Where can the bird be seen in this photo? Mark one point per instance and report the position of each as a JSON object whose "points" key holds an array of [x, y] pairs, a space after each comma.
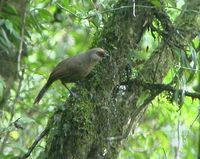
{"points": [[73, 69]]}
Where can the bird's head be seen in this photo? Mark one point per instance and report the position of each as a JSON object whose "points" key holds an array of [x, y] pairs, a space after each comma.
{"points": [[97, 54]]}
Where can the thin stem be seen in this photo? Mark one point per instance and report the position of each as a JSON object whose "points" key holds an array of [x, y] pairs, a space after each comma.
{"points": [[120, 8]]}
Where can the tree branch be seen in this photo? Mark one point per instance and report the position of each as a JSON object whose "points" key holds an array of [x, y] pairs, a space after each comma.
{"points": [[37, 140], [165, 87], [135, 114], [41, 136]]}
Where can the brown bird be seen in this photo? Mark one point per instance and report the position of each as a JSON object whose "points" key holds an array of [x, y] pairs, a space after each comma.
{"points": [[73, 69]]}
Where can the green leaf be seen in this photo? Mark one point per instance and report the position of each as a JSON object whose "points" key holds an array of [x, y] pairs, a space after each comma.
{"points": [[184, 59], [172, 3], [2, 87], [195, 63], [16, 34], [43, 13], [33, 21], [23, 122], [7, 42], [10, 8], [156, 3], [9, 25], [3, 45], [2, 21], [96, 18]]}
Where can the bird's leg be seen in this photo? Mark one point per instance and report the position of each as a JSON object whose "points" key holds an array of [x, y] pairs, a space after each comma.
{"points": [[72, 93]]}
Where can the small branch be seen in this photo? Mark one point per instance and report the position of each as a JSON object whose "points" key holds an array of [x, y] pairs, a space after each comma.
{"points": [[187, 68], [119, 8], [134, 116], [23, 21], [166, 87], [42, 135], [13, 123], [37, 140], [92, 15], [134, 8], [195, 119], [177, 153], [75, 15], [12, 111], [172, 89], [157, 88]]}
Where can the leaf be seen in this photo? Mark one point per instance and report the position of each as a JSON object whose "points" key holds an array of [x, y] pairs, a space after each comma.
{"points": [[22, 122], [9, 25], [10, 8], [43, 13], [156, 3], [195, 63], [2, 87], [7, 42], [14, 135], [2, 45], [2, 21], [4, 41], [96, 18], [16, 34], [172, 3], [25, 120], [33, 21], [184, 59]]}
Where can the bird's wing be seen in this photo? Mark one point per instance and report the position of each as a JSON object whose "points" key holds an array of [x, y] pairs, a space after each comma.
{"points": [[65, 69], [59, 69]]}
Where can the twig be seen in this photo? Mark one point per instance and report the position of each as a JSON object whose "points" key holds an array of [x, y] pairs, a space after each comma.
{"points": [[164, 153], [177, 154], [12, 111], [134, 115], [37, 140], [172, 89], [42, 135], [68, 10], [22, 39], [166, 87], [119, 8], [195, 118], [187, 68], [157, 89], [134, 8], [92, 15], [11, 124]]}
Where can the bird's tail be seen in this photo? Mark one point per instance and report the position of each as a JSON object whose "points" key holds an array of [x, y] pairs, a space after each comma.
{"points": [[42, 92]]}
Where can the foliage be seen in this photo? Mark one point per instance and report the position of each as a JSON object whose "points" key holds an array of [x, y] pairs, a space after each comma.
{"points": [[57, 29]]}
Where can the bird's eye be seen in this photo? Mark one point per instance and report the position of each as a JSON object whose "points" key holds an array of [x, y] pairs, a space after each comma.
{"points": [[100, 54]]}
